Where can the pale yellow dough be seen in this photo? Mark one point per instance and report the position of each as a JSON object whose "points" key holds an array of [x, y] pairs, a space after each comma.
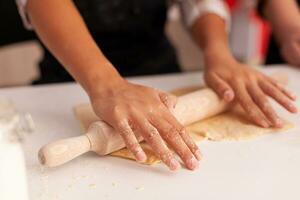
{"points": [[231, 125]]}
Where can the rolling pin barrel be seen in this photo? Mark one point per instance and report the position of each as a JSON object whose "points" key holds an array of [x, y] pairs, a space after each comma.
{"points": [[198, 105]]}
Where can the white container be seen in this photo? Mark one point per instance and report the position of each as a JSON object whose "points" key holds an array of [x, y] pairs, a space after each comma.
{"points": [[13, 182]]}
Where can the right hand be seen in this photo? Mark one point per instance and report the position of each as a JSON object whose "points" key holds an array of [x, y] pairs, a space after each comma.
{"points": [[136, 110]]}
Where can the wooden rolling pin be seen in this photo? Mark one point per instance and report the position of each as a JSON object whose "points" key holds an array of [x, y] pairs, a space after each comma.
{"points": [[103, 139]]}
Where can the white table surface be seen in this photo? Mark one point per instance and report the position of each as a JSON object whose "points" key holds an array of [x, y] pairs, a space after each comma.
{"points": [[264, 168]]}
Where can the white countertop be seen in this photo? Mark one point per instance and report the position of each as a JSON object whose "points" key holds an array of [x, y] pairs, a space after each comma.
{"points": [[264, 168]]}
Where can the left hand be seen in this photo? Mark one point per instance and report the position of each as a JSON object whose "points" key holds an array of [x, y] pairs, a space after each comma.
{"points": [[290, 46], [232, 80]]}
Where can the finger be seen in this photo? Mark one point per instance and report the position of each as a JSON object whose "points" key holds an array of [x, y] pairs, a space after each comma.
{"points": [[153, 138], [285, 91], [249, 106], [184, 135], [172, 137], [261, 100], [168, 100], [278, 96], [130, 140], [220, 87]]}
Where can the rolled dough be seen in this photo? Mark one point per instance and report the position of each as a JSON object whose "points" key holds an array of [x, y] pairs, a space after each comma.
{"points": [[231, 125]]}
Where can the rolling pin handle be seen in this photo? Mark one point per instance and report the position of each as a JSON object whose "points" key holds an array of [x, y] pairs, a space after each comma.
{"points": [[62, 151]]}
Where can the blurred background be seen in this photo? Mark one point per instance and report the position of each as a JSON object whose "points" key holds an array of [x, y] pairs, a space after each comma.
{"points": [[20, 52]]}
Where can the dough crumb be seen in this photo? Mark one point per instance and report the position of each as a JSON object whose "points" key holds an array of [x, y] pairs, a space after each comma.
{"points": [[76, 178], [70, 186], [140, 188], [92, 185], [114, 184]]}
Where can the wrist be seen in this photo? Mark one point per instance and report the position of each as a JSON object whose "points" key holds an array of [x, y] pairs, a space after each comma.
{"points": [[215, 53], [285, 34], [102, 80]]}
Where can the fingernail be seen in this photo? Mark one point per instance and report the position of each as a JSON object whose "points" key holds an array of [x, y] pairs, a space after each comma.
{"points": [[293, 108], [193, 163], [278, 123], [141, 156], [174, 165], [265, 124], [294, 97], [198, 155], [227, 95]]}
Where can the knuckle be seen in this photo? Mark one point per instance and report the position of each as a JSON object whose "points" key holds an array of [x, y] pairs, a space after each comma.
{"points": [[194, 147], [276, 83], [165, 156], [121, 124], [174, 136], [169, 131], [152, 135], [285, 90], [280, 86], [124, 128], [133, 146], [183, 132], [190, 142], [269, 89], [163, 96], [116, 110], [185, 153]]}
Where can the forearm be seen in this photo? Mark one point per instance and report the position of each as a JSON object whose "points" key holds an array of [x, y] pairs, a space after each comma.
{"points": [[283, 16], [63, 31], [210, 34]]}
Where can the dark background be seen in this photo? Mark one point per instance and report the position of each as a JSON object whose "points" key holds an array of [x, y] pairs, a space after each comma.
{"points": [[11, 26]]}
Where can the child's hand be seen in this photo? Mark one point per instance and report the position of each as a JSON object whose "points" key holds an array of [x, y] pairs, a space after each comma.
{"points": [[250, 88], [135, 110], [290, 46]]}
